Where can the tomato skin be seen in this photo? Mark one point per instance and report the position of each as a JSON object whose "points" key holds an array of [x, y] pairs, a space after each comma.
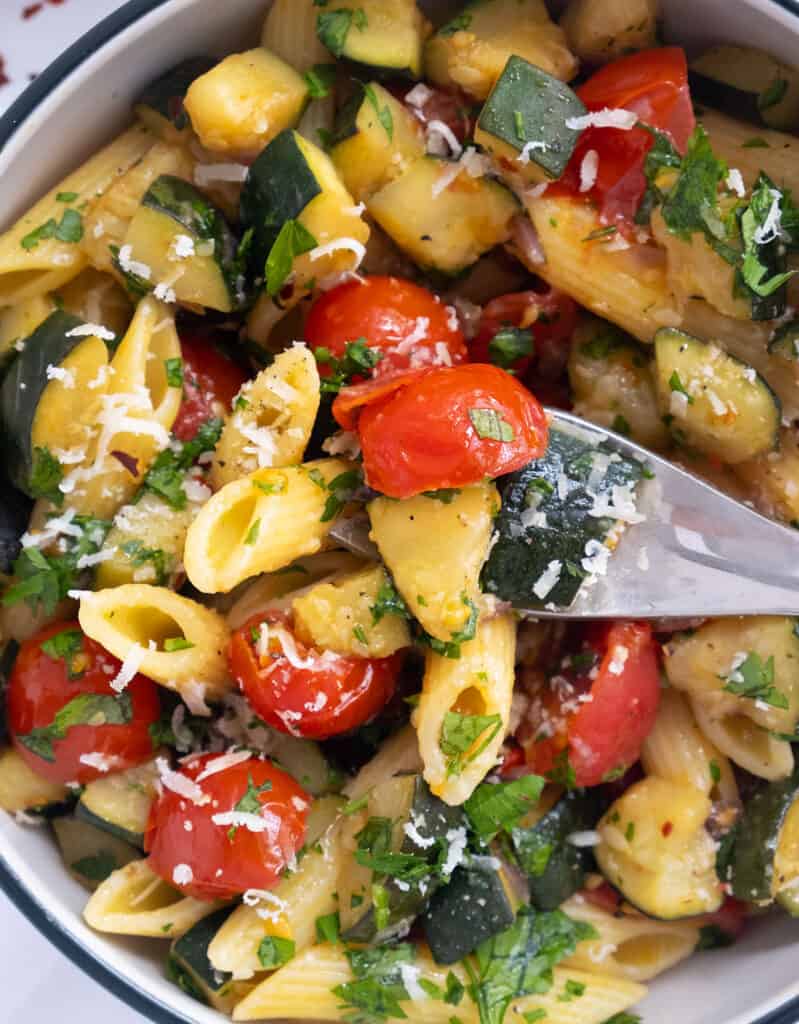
{"points": [[551, 316], [730, 918], [450, 106], [652, 84], [210, 383], [605, 734], [223, 866], [385, 311], [420, 437], [289, 698], [39, 687]]}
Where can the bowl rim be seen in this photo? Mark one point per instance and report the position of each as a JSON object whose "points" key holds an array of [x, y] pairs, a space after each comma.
{"points": [[112, 979]]}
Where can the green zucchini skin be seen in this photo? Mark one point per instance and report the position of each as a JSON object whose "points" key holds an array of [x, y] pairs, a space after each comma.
{"points": [[785, 341], [279, 186], [164, 97], [529, 105], [555, 868], [521, 554], [89, 853], [751, 865], [23, 386], [191, 951], [473, 907], [83, 813]]}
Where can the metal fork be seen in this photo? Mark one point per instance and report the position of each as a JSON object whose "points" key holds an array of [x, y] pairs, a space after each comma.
{"points": [[704, 554]]}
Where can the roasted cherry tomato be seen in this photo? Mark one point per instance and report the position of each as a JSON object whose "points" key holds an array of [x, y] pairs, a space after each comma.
{"points": [[65, 718], [446, 427], [654, 85], [407, 324], [303, 691], [232, 826], [447, 106], [725, 925], [210, 383], [600, 708]]}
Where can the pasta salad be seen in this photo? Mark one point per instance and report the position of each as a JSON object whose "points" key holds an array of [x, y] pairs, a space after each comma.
{"points": [[339, 277]]}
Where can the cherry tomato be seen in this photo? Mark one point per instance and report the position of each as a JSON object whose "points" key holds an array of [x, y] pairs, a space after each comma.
{"points": [[446, 427], [210, 383], [449, 106], [305, 692], [603, 896], [617, 671], [211, 857], [406, 323], [729, 920], [654, 85], [55, 674]]}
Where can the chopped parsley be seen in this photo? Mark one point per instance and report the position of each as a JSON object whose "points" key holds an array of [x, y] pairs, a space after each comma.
{"points": [[293, 240], [757, 255], [328, 928], [518, 124], [249, 803], [677, 385], [68, 229], [66, 197], [177, 643], [562, 771], [96, 868], [360, 635], [275, 951], [388, 602], [446, 495], [571, 990], [46, 475], [66, 646], [377, 989], [140, 555], [271, 487], [383, 115], [340, 491], [358, 361], [174, 372], [320, 79], [333, 27], [464, 737], [754, 678], [252, 533], [167, 473], [509, 345], [490, 425], [85, 709], [500, 807]]}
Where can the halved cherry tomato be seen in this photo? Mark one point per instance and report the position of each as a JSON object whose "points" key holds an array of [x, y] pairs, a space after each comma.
{"points": [[210, 383], [444, 428], [303, 691], [204, 850], [603, 896], [450, 106], [599, 715], [729, 920], [654, 85], [49, 691], [407, 323]]}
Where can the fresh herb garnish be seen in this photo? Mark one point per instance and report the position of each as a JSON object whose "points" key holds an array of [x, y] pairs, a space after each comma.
{"points": [[85, 709], [275, 951], [140, 555], [757, 257], [177, 643], [96, 868], [66, 646], [249, 803], [252, 533], [46, 475], [562, 771], [383, 115], [754, 678], [293, 240], [333, 27], [68, 229], [388, 602], [490, 425], [174, 372], [464, 737], [677, 385], [272, 487], [358, 361], [500, 807], [509, 345], [320, 79], [167, 473], [328, 928]]}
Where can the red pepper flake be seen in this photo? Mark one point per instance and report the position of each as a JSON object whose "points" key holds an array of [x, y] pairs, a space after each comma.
{"points": [[30, 10], [666, 829]]}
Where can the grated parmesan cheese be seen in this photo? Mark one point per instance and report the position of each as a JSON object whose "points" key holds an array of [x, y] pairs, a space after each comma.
{"points": [[182, 875], [441, 140], [89, 330], [337, 244], [588, 170], [223, 762], [59, 373], [605, 118], [735, 182], [181, 784], [548, 578], [129, 667]]}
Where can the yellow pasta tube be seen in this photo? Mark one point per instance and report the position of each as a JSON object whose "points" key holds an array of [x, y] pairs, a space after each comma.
{"points": [[756, 749], [260, 523], [136, 621], [21, 789], [478, 683], [399, 753], [290, 32]]}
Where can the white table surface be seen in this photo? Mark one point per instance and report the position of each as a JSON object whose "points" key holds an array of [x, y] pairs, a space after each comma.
{"points": [[39, 985]]}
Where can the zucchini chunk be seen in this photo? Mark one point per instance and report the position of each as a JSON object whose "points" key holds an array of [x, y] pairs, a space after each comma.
{"points": [[546, 523], [471, 50], [756, 86], [523, 122], [765, 853], [376, 139], [27, 389], [598, 33], [294, 181], [21, 789], [120, 804], [189, 957], [718, 404], [240, 105], [401, 801], [785, 341], [434, 547], [383, 35], [654, 848], [187, 244], [478, 902], [160, 105], [444, 225], [555, 867], [91, 854]]}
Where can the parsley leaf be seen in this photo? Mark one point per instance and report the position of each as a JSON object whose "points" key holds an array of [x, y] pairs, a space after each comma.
{"points": [[332, 28], [341, 489], [509, 345], [293, 240], [328, 928], [140, 555], [96, 868], [65, 646], [562, 771], [45, 477], [274, 951], [358, 361], [174, 372], [499, 808], [70, 229], [166, 475], [377, 988], [388, 602], [490, 425], [759, 255], [85, 709], [384, 115], [461, 735], [250, 803], [320, 79], [177, 643], [676, 384], [754, 678]]}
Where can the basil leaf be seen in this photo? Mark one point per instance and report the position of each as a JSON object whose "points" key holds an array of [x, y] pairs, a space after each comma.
{"points": [[490, 425], [85, 709], [500, 807], [293, 240]]}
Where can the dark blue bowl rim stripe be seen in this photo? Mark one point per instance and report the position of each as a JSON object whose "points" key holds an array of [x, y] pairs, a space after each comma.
{"points": [[115, 982]]}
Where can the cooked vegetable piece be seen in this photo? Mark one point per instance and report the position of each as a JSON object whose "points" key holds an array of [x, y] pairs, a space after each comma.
{"points": [[764, 854], [749, 82], [524, 122], [546, 530], [189, 954], [375, 140], [785, 341], [15, 512], [187, 245], [120, 804], [91, 854], [441, 224], [471, 50], [718, 404], [598, 33], [160, 106], [384, 35]]}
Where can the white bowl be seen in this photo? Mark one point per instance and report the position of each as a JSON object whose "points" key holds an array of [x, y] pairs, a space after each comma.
{"points": [[72, 108]]}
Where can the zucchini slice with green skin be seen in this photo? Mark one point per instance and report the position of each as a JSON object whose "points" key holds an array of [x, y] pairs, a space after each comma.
{"points": [[755, 871], [400, 801], [91, 854], [189, 955], [717, 404], [187, 244], [785, 341], [444, 225], [23, 387], [523, 122], [478, 903], [383, 35], [752, 83], [160, 106], [546, 517], [554, 866], [120, 804]]}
